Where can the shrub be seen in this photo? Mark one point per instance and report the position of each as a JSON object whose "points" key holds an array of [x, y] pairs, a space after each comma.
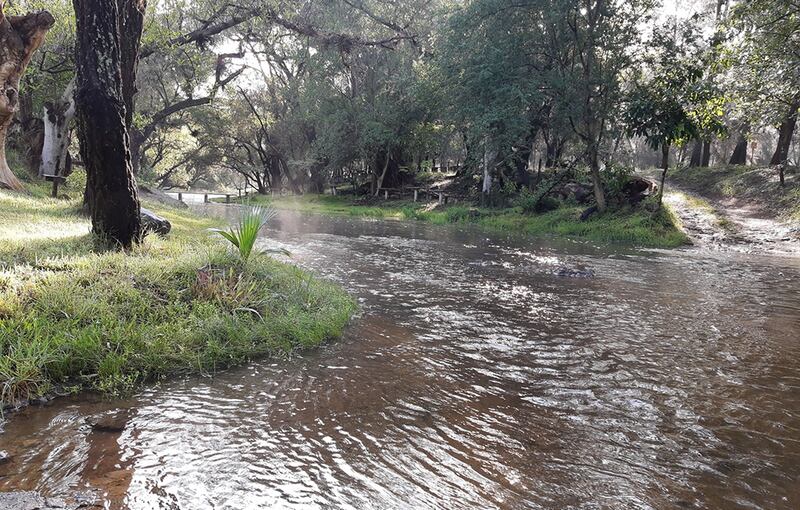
{"points": [[244, 235]]}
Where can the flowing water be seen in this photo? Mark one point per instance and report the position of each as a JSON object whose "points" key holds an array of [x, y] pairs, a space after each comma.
{"points": [[474, 377]]}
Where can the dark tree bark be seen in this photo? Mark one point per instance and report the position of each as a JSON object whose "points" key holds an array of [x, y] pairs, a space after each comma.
{"points": [[20, 37], [706, 159], [739, 156], [31, 131], [664, 169], [131, 26], [785, 134], [697, 154], [105, 54]]}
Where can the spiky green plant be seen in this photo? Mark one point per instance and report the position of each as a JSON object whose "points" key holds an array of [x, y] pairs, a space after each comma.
{"points": [[244, 234]]}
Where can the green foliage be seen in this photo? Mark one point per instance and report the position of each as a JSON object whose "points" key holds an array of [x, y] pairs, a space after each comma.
{"points": [[615, 178], [637, 227], [533, 203], [244, 235], [674, 103]]}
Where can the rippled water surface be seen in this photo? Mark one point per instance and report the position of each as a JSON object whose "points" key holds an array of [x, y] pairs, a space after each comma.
{"points": [[473, 378]]}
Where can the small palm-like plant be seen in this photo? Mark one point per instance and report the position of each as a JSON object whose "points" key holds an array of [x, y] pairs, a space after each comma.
{"points": [[244, 234]]}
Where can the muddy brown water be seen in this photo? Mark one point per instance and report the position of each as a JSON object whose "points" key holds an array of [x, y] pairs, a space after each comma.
{"points": [[472, 378]]}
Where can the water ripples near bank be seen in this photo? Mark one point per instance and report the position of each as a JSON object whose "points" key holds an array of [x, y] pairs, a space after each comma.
{"points": [[474, 377]]}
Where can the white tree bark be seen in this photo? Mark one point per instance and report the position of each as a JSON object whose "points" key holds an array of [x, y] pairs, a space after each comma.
{"points": [[489, 157], [57, 134]]}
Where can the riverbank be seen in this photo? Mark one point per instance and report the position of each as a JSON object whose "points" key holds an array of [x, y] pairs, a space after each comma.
{"points": [[74, 316], [738, 208], [738, 186], [637, 227]]}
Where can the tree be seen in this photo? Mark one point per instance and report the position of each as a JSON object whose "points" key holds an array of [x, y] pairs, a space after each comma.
{"points": [[766, 67], [20, 37], [672, 104], [109, 32]]}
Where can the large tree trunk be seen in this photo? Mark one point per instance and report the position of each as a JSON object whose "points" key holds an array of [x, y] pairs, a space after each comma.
{"points": [[785, 134], [57, 133], [697, 154], [706, 159], [20, 37], [105, 54], [739, 156]]}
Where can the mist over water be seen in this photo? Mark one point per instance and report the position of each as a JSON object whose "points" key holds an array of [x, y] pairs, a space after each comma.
{"points": [[473, 377]]}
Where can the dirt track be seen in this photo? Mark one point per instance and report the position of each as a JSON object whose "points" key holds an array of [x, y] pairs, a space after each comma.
{"points": [[732, 225]]}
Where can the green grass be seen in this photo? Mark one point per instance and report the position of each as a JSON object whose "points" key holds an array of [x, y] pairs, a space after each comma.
{"points": [[637, 227], [752, 184], [74, 316]]}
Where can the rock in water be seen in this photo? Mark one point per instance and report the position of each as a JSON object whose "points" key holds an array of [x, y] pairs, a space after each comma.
{"points": [[153, 223], [568, 272], [111, 421]]}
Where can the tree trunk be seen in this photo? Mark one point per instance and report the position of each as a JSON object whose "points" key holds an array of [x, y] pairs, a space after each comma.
{"points": [[20, 37], [103, 50], [32, 131], [706, 159], [785, 134], [489, 158], [697, 154], [57, 134], [555, 148], [739, 156], [382, 176], [131, 26], [664, 168], [597, 182]]}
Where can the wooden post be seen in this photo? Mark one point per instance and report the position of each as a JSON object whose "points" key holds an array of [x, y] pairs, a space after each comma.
{"points": [[227, 199], [180, 197], [386, 194], [416, 195], [441, 198], [205, 198]]}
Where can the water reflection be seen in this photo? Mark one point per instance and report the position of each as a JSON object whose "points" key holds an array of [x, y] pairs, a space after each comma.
{"points": [[475, 377]]}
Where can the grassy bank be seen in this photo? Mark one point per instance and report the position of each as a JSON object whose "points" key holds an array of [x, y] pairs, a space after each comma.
{"points": [[75, 316], [759, 186], [633, 227]]}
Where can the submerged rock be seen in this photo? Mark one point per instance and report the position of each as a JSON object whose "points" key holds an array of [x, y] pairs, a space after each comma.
{"points": [[569, 272], [111, 421]]}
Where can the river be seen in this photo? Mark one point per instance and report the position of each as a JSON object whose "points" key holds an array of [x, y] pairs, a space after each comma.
{"points": [[473, 377]]}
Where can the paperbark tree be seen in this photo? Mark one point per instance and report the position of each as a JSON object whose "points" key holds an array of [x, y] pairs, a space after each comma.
{"points": [[20, 37], [57, 119], [108, 36]]}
